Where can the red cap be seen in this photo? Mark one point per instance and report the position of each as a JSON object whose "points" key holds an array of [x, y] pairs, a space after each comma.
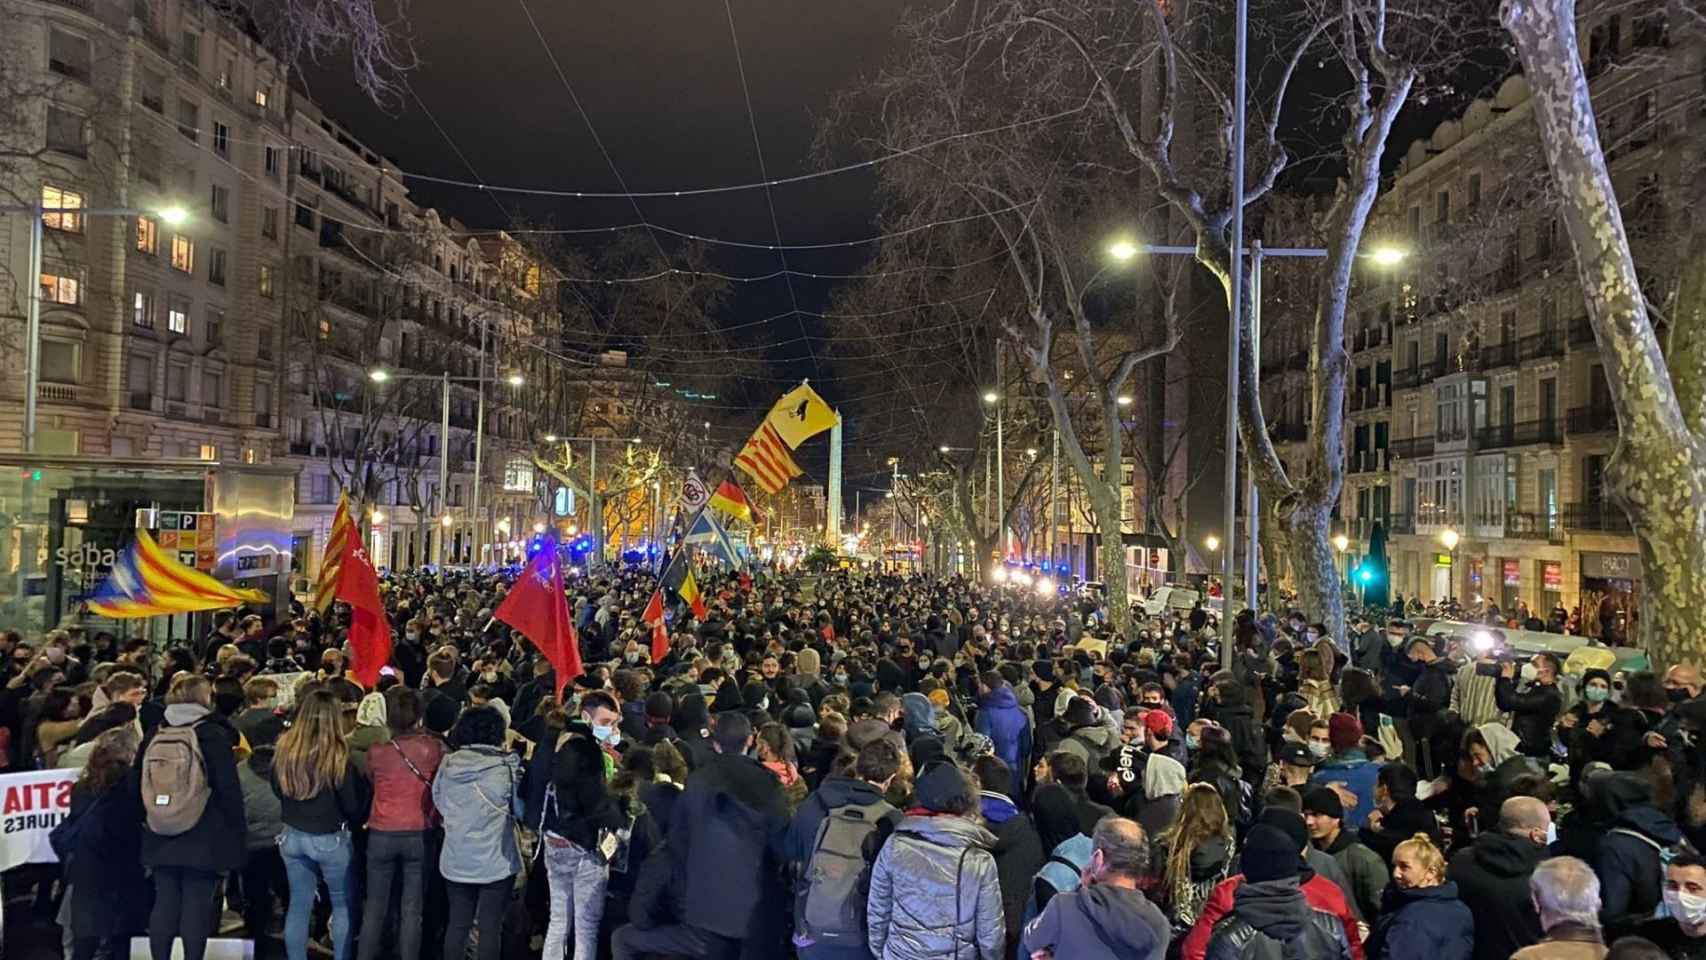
{"points": [[1158, 723], [1344, 731]]}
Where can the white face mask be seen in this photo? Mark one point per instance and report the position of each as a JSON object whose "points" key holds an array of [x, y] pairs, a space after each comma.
{"points": [[1687, 908], [1318, 749], [1528, 672], [1551, 833]]}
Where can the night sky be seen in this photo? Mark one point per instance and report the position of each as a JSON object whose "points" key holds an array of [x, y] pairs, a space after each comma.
{"points": [[661, 85]]}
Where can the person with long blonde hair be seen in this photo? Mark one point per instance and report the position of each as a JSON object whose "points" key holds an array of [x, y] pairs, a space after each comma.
{"points": [[322, 796], [1421, 917], [1198, 854]]}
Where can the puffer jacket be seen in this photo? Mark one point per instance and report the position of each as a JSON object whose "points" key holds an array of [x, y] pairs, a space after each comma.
{"points": [[1272, 920], [1000, 718], [935, 894], [262, 810], [474, 790], [1422, 923]]}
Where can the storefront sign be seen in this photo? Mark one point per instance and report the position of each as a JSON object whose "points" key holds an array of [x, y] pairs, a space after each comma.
{"points": [[1552, 577], [1513, 573], [31, 805], [1611, 566], [1442, 559]]}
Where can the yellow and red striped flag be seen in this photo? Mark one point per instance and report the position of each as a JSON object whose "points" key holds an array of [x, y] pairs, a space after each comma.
{"points": [[147, 581], [767, 459], [343, 531]]}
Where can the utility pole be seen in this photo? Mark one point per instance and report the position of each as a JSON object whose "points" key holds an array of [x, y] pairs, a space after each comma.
{"points": [[1240, 43]]}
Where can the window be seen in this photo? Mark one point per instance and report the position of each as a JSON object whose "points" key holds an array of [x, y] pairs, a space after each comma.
{"points": [[209, 451], [319, 488], [216, 267], [215, 327], [263, 403], [177, 380], [58, 205], [1442, 207], [61, 284], [151, 90], [65, 132], [1474, 190], [145, 162], [189, 49], [219, 204], [142, 309], [68, 54], [269, 222], [227, 73], [261, 97], [1415, 222], [177, 314], [183, 253], [271, 160], [263, 343], [212, 388], [61, 361], [264, 282], [221, 139], [304, 216], [139, 382], [1507, 326], [189, 120]]}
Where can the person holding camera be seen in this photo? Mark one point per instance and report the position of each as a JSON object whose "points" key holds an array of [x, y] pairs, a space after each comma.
{"points": [[1534, 707]]}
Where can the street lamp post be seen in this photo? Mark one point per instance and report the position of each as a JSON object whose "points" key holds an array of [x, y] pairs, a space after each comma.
{"points": [[32, 323], [1449, 538], [1001, 537], [595, 511]]}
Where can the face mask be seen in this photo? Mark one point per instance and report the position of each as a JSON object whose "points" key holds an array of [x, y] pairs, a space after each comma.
{"points": [[1394, 641], [412, 636], [1678, 695], [1486, 769], [1686, 907], [1596, 694], [1191, 743], [1528, 671], [1318, 750], [1552, 836], [764, 704], [606, 735], [841, 678], [634, 657]]}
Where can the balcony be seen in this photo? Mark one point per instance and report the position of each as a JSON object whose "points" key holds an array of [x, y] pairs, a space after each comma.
{"points": [[1406, 378], [1499, 355], [1539, 346], [1593, 419], [1372, 397], [59, 393], [1367, 461], [1500, 436], [1451, 434], [1401, 523], [1581, 332], [1411, 448], [1369, 338], [1599, 517], [1533, 526]]}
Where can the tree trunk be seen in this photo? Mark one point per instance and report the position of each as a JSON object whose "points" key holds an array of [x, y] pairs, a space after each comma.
{"points": [[1110, 552], [1658, 471], [1320, 594]]}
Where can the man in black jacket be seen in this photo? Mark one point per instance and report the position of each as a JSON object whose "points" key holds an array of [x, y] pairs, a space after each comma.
{"points": [[1232, 710], [727, 832], [1492, 878], [1427, 698], [1534, 709], [1108, 917]]}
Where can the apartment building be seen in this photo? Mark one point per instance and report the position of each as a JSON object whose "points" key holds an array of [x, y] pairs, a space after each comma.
{"points": [[1477, 408], [157, 339]]}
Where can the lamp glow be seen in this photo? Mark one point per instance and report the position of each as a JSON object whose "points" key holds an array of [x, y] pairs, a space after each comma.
{"points": [[378, 376], [173, 216], [1212, 542], [999, 575], [1449, 538], [991, 397], [1388, 256], [1341, 542], [515, 380], [1122, 250], [1123, 401]]}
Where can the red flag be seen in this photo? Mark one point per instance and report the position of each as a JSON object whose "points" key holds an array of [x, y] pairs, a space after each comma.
{"points": [[369, 632], [654, 616], [538, 610]]}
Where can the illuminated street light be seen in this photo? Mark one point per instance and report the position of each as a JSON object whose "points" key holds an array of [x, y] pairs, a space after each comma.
{"points": [[1341, 542], [550, 438], [376, 517], [991, 397], [378, 376], [539, 528], [445, 520], [999, 575], [1123, 401], [1122, 250], [1212, 542], [1045, 586], [515, 380], [173, 216], [1449, 538], [1388, 256]]}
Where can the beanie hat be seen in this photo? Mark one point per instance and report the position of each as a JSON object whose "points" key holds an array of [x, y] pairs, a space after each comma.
{"points": [[1344, 731], [1269, 854], [441, 713], [1078, 712], [1158, 723], [799, 716], [808, 662], [1596, 674], [939, 697], [938, 788], [926, 749], [1291, 824], [1324, 802], [1044, 669]]}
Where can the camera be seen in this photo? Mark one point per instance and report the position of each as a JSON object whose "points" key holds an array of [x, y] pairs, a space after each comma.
{"points": [[1489, 645]]}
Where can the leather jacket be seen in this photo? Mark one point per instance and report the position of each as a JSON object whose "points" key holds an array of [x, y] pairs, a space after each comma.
{"points": [[1273, 921]]}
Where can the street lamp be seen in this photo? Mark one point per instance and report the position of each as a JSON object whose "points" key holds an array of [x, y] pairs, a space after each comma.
{"points": [[174, 215], [515, 380], [1449, 537], [1388, 256], [1341, 542], [1123, 401], [1122, 250], [1001, 535], [1212, 542]]}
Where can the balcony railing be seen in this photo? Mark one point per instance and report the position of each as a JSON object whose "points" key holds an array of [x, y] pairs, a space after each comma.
{"points": [[1521, 434], [1451, 434], [1296, 361], [1412, 448], [1593, 419], [1600, 517], [1406, 378], [1499, 355], [1369, 338], [1537, 346], [1533, 526], [1401, 523]]}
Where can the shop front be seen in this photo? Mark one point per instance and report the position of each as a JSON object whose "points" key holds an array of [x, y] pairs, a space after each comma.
{"points": [[65, 521], [1611, 594]]}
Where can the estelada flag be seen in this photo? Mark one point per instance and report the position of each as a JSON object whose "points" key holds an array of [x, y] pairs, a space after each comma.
{"points": [[369, 632], [343, 531], [800, 415], [538, 610], [654, 617], [766, 458], [147, 581], [731, 499]]}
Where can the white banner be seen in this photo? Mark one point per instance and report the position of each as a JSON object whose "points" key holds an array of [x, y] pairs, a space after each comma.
{"points": [[694, 495], [31, 805]]}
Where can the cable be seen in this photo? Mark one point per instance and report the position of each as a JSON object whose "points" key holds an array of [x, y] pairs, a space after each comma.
{"points": [[769, 197]]}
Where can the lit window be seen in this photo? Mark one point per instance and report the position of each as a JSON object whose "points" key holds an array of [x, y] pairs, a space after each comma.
{"points": [[264, 281], [261, 98], [142, 310], [183, 253], [57, 204], [210, 451], [147, 236], [62, 285], [178, 315]]}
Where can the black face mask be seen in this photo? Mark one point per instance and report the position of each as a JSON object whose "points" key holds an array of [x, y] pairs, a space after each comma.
{"points": [[1677, 694]]}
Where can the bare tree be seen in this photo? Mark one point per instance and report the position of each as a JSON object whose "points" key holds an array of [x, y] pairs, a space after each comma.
{"points": [[1656, 472]]}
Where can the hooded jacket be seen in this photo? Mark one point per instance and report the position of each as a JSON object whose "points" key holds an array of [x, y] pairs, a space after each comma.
{"points": [[725, 828], [835, 792], [1099, 922], [919, 715], [1492, 877], [215, 843], [1322, 895], [1001, 720], [935, 893], [1422, 923], [1018, 855], [1628, 860], [1273, 920], [477, 794], [1092, 742], [1236, 715]]}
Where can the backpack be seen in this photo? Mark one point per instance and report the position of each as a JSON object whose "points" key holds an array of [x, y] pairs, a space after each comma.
{"points": [[1666, 855], [175, 790], [68, 835], [830, 907]]}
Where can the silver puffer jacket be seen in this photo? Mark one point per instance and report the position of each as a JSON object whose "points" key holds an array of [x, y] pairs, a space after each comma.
{"points": [[935, 894]]}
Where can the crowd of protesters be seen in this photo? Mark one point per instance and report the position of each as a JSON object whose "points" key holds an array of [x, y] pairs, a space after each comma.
{"points": [[858, 765]]}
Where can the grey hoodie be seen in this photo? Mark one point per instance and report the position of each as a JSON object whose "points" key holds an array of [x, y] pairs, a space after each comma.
{"points": [[1097, 922], [477, 793]]}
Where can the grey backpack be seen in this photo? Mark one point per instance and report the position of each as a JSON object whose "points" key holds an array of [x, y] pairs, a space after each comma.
{"points": [[175, 790], [830, 907]]}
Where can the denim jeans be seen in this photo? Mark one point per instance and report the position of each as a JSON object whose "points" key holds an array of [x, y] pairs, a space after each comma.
{"points": [[578, 878], [309, 858], [388, 854]]}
